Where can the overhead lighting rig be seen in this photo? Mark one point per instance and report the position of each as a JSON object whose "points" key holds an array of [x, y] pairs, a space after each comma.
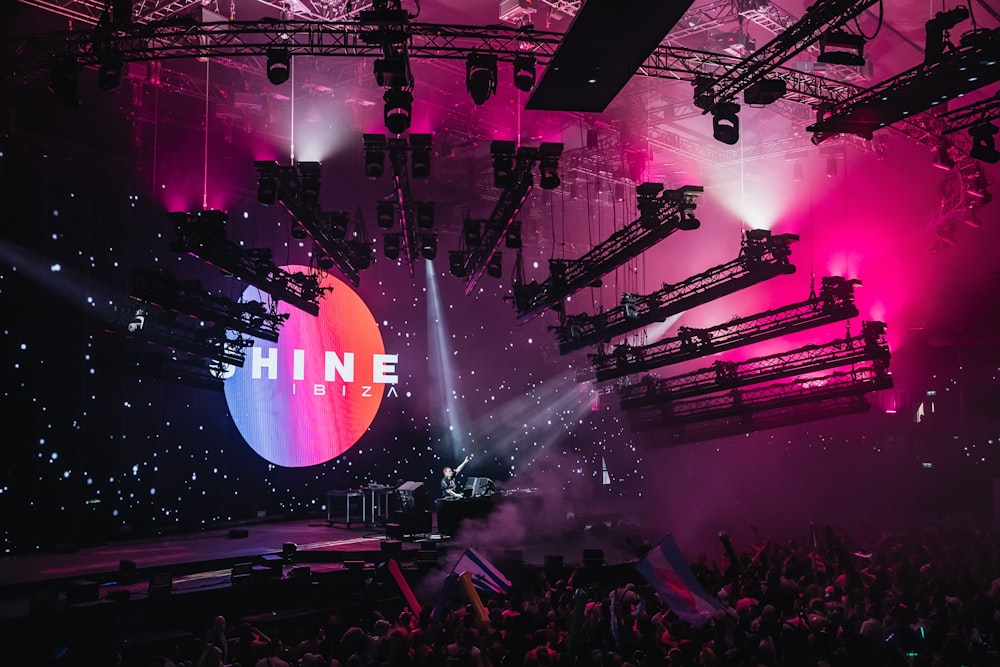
{"points": [[661, 213], [834, 303], [743, 404], [135, 359], [971, 115], [984, 144], [296, 188], [936, 32], [971, 66], [839, 47], [416, 219], [713, 92], [203, 235], [762, 256], [763, 417], [184, 334], [253, 318], [868, 346], [512, 168], [387, 25]]}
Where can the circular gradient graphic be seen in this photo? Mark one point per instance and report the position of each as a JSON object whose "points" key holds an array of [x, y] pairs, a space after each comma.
{"points": [[309, 397]]}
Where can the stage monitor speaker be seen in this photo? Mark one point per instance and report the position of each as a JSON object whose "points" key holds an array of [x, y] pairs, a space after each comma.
{"points": [[593, 557], [127, 572], [82, 590], [238, 533], [161, 584], [394, 531], [413, 497], [392, 548]]}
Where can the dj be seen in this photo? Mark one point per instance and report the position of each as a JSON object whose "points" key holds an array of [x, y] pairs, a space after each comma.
{"points": [[448, 490]]}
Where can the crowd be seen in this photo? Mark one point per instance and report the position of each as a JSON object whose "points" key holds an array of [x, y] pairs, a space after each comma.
{"points": [[931, 598]]}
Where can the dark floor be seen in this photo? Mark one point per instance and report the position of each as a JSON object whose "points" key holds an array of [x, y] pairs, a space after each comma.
{"points": [[191, 561]]}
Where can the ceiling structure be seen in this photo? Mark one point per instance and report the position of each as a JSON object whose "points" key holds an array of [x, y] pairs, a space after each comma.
{"points": [[652, 131], [711, 39]]}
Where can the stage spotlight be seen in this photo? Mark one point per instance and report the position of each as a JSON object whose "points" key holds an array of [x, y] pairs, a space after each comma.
{"points": [[428, 246], [548, 164], [513, 239], [764, 92], [688, 222], [398, 109], [309, 183], [935, 28], [375, 145], [983, 144], [62, 82], [385, 214], [503, 162], [390, 72], [725, 122], [391, 246], [339, 222], [978, 186], [425, 214], [524, 72], [942, 160], [361, 251], [420, 156], [481, 76], [267, 190], [472, 233], [841, 48], [456, 263], [299, 231], [279, 65], [109, 76], [323, 260], [494, 269]]}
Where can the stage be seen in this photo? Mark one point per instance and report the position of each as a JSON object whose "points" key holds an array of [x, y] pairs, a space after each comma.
{"points": [[194, 561]]}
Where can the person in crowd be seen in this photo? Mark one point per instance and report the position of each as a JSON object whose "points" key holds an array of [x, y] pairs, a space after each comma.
{"points": [[448, 486]]}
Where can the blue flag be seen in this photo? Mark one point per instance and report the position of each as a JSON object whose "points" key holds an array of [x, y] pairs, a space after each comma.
{"points": [[666, 569], [485, 575]]}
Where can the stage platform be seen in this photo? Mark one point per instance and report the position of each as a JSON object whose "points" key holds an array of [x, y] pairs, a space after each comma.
{"points": [[141, 597], [195, 561]]}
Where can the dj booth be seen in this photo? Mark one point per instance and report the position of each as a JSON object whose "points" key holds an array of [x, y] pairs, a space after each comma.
{"points": [[478, 499]]}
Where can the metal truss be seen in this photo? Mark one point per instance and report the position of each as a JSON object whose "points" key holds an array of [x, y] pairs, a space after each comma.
{"points": [[762, 419], [762, 256], [687, 64], [233, 39], [190, 298], [201, 234], [567, 7], [661, 213], [287, 182], [834, 303], [703, 18], [970, 115], [919, 88], [740, 403], [318, 10], [190, 371], [89, 12], [868, 346], [776, 20], [404, 200], [504, 214], [823, 15], [169, 332]]}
